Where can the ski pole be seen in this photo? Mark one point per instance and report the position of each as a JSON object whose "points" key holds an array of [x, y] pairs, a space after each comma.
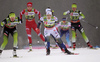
{"points": [[90, 24], [1, 32]]}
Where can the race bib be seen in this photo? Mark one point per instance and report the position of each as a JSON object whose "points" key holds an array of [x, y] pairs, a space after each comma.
{"points": [[29, 13], [49, 23], [74, 14]]}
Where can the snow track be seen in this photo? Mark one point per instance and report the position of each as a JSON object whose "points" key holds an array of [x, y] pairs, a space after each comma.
{"points": [[39, 55]]}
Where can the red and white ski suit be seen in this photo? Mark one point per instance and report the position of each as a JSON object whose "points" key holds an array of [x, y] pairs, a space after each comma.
{"points": [[30, 22]]}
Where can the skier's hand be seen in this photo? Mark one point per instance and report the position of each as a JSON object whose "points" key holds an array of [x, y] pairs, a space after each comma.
{"points": [[37, 30], [21, 20], [81, 17], [2, 27], [45, 43]]}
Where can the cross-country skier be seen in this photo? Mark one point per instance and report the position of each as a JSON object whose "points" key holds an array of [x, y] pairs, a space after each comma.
{"points": [[64, 29], [30, 22], [49, 9], [49, 23], [9, 25], [76, 16]]}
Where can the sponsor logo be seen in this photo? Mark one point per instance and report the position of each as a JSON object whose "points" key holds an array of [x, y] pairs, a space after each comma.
{"points": [[74, 14], [29, 13], [49, 23]]}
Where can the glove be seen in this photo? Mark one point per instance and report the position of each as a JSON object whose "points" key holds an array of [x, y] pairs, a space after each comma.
{"points": [[37, 30], [21, 21], [80, 18], [64, 13], [45, 43]]}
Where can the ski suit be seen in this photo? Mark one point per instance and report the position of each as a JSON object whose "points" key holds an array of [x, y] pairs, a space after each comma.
{"points": [[30, 22], [64, 29], [76, 16], [10, 28], [50, 29]]}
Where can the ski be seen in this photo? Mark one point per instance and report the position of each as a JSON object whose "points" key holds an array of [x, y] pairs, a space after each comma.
{"points": [[54, 47], [16, 56], [72, 54], [30, 51], [94, 48]]}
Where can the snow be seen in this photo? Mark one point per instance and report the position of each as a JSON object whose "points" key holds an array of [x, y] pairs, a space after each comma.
{"points": [[39, 55]]}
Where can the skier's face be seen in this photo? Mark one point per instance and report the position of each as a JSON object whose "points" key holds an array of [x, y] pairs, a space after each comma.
{"points": [[29, 7], [74, 9], [64, 21], [12, 19], [49, 16]]}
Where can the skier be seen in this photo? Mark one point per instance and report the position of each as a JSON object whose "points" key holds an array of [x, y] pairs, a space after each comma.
{"points": [[30, 22], [64, 25], [49, 23], [76, 16], [9, 25]]}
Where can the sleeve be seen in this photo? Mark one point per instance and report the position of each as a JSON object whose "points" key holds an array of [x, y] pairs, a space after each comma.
{"points": [[56, 19], [41, 19], [59, 24], [3, 22], [21, 13], [69, 24], [81, 14], [67, 12], [39, 22], [19, 20], [37, 12]]}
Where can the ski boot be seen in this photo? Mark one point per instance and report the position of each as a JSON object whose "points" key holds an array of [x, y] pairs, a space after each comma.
{"points": [[74, 46], [48, 51], [14, 52], [70, 46], [0, 52], [68, 52], [90, 46], [30, 48]]}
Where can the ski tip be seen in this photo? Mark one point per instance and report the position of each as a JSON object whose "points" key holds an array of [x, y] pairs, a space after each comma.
{"points": [[76, 53]]}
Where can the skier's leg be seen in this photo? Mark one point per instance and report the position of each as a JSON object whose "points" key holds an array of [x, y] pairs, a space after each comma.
{"points": [[5, 38], [67, 38], [28, 30], [63, 47], [61, 44], [38, 33], [84, 36], [73, 37], [61, 33], [47, 45], [47, 41], [15, 35]]}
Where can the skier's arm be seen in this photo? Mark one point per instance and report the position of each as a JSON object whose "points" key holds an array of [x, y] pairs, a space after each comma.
{"points": [[56, 19], [69, 24], [67, 12], [39, 22], [3, 23], [19, 20], [58, 25], [21, 13], [81, 15], [37, 12]]}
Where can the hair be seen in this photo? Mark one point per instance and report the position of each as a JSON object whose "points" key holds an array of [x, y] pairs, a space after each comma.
{"points": [[48, 7], [9, 13], [74, 3]]}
